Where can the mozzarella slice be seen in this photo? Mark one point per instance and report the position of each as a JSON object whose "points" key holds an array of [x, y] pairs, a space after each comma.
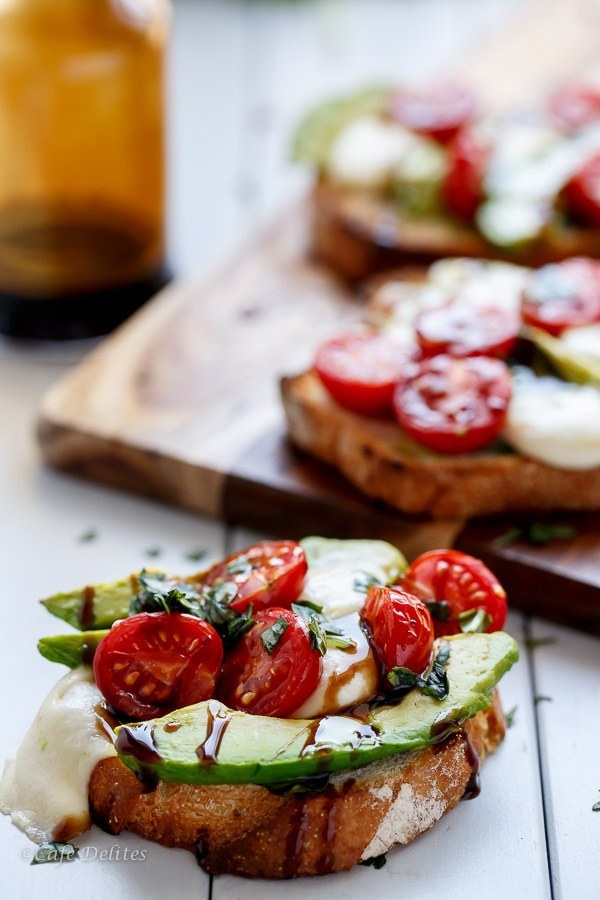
{"points": [[555, 422], [583, 340], [366, 153], [44, 789], [480, 282], [347, 679]]}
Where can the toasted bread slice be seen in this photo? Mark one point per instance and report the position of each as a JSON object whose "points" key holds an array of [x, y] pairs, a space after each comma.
{"points": [[360, 234], [247, 830], [385, 464]]}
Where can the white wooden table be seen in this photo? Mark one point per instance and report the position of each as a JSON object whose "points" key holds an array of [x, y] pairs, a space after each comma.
{"points": [[242, 73]]}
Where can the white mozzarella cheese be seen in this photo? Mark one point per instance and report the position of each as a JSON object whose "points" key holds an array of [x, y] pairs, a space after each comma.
{"points": [[366, 153], [583, 340], [555, 422], [347, 679], [46, 785]]}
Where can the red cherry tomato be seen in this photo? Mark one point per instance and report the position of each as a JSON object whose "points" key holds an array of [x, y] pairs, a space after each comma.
{"points": [[360, 370], [438, 111], [582, 193], [463, 185], [575, 105], [400, 628], [463, 329], [462, 581], [454, 405], [563, 295], [269, 573], [153, 663], [275, 683]]}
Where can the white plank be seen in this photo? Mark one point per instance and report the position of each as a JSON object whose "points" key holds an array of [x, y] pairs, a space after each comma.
{"points": [[298, 54], [493, 846], [205, 122], [568, 672], [43, 515]]}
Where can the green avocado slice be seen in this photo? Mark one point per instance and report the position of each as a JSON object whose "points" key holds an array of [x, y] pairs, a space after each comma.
{"points": [[94, 606], [320, 127], [210, 744], [334, 567], [580, 368], [340, 571], [71, 650]]}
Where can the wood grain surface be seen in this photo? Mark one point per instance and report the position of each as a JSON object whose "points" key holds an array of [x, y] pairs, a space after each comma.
{"points": [[181, 403]]}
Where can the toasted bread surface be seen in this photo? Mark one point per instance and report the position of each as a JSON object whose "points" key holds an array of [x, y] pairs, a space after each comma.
{"points": [[385, 464], [247, 830], [360, 234]]}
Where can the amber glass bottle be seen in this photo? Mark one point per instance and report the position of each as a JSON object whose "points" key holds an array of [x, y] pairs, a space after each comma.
{"points": [[81, 163]]}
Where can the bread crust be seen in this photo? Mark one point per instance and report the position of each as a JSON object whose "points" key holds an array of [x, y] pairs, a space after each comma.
{"points": [[246, 830], [359, 234], [383, 463]]}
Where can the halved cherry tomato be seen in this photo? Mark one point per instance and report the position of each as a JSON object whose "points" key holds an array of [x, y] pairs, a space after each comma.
{"points": [[153, 663], [463, 185], [582, 193], [460, 580], [270, 573], [360, 370], [575, 105], [438, 111], [399, 628], [464, 329], [271, 683], [563, 295], [454, 405]]}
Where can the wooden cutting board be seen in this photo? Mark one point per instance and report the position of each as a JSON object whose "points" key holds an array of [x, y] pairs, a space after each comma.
{"points": [[181, 403]]}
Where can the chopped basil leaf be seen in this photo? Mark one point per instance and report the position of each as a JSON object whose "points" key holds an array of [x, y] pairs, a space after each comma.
{"points": [[54, 851], [239, 566], [538, 533], [508, 537], [309, 605], [474, 621], [88, 536], [273, 634], [533, 642], [378, 862], [195, 554], [438, 609], [596, 807], [223, 592], [334, 635], [303, 784], [318, 638], [159, 594], [510, 717], [153, 552], [541, 698], [434, 685], [363, 581], [542, 533]]}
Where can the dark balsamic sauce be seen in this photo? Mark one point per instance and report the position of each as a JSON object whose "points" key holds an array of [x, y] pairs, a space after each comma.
{"points": [[86, 610], [201, 851], [473, 787], [170, 727], [319, 811], [331, 732], [138, 741], [295, 838], [326, 860], [216, 725], [106, 722], [70, 827]]}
